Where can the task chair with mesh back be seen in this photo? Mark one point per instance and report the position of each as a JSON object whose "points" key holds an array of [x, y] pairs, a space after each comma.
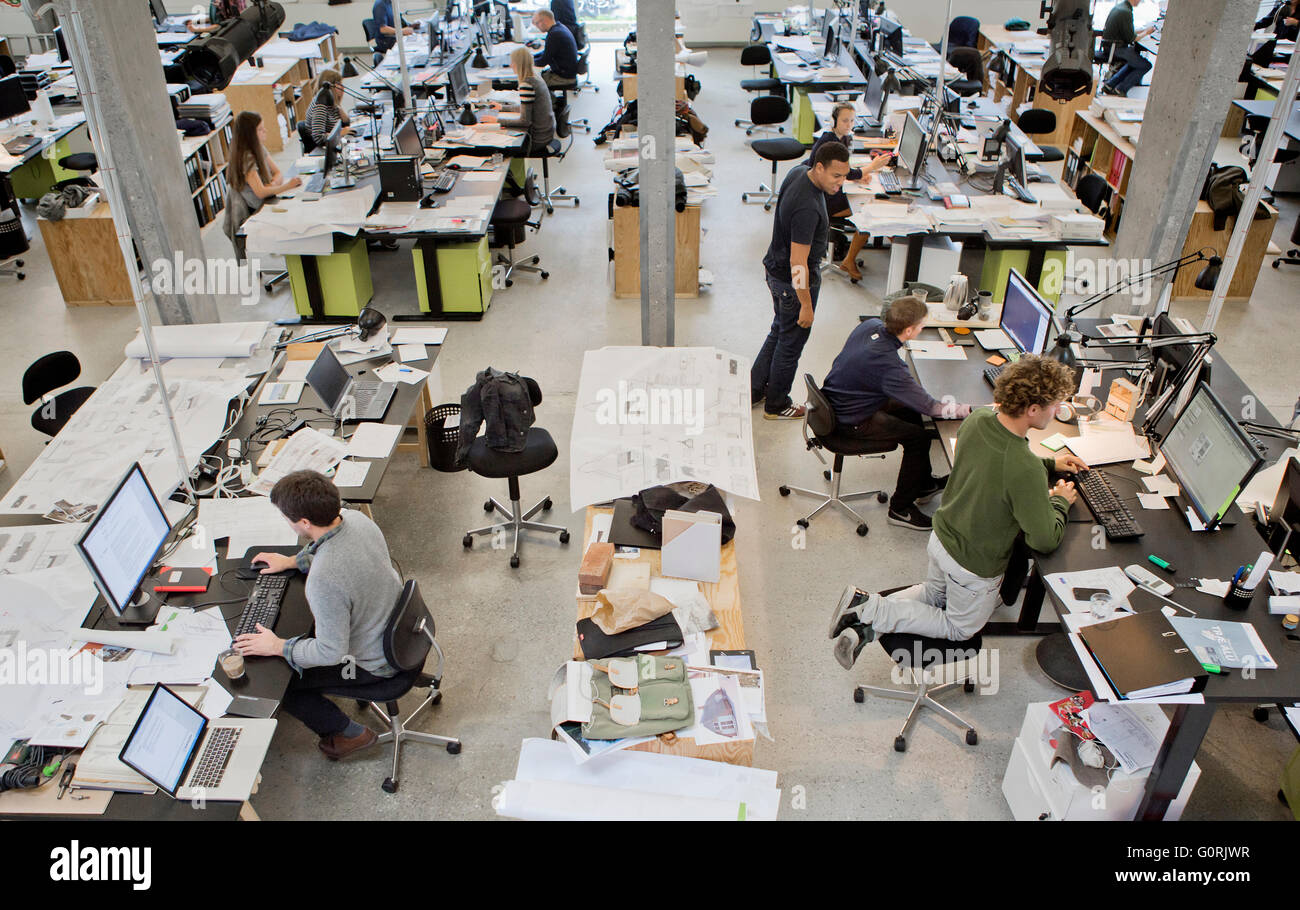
{"points": [[1039, 121], [539, 452], [820, 432], [770, 109], [756, 55], [509, 219], [43, 377], [408, 639], [923, 659], [971, 64]]}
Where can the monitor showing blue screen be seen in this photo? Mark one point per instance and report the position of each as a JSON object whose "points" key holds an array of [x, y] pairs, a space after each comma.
{"points": [[1026, 317]]}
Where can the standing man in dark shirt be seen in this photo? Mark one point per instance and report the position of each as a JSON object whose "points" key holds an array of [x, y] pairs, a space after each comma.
{"points": [[875, 397], [793, 270], [1119, 34], [559, 55]]}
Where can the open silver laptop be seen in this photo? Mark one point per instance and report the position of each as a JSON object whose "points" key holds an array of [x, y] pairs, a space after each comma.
{"points": [[347, 398], [174, 745]]}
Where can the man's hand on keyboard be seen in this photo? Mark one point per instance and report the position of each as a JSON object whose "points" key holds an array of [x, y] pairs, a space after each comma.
{"points": [[262, 643], [275, 562], [1066, 491], [1067, 463]]}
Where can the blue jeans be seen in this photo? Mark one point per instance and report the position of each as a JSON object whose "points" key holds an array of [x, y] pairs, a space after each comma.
{"points": [[1130, 74], [778, 358]]}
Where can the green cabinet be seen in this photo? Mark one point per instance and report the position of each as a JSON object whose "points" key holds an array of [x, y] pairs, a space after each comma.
{"points": [[453, 279], [342, 279]]}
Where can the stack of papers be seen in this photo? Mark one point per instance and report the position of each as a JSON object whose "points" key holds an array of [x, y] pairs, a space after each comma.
{"points": [[1107, 441]]}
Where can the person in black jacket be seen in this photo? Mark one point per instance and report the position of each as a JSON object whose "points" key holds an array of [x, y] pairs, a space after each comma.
{"points": [[1120, 35], [837, 205], [1283, 21], [560, 53]]}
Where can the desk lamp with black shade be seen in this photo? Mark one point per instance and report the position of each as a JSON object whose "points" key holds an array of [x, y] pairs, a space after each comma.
{"points": [[369, 322]]}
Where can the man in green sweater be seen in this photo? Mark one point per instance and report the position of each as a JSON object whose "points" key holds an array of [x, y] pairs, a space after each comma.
{"points": [[997, 490]]}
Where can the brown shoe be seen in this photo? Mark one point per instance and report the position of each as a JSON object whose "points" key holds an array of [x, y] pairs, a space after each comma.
{"points": [[336, 746], [849, 268], [793, 412]]}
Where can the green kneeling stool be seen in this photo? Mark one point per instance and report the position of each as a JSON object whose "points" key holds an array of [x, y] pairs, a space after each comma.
{"points": [[344, 278]]}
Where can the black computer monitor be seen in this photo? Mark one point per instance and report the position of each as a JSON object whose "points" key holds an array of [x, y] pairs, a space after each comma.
{"points": [[1169, 361], [891, 36], [458, 84], [122, 542], [61, 44], [452, 11], [1016, 161], [1026, 316], [333, 151], [831, 50], [158, 10], [407, 139], [484, 33], [911, 148], [1284, 516], [1210, 456], [13, 100]]}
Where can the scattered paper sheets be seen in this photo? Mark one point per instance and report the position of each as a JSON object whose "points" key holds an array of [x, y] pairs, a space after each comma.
{"points": [[306, 450], [248, 521], [419, 336], [226, 339], [30, 548]]}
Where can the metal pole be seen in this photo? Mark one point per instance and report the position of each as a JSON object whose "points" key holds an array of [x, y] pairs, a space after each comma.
{"points": [[401, 53], [1259, 175], [657, 147], [939, 85], [78, 51]]}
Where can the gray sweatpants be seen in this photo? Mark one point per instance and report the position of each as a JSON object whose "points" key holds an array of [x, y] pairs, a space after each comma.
{"points": [[952, 603]]}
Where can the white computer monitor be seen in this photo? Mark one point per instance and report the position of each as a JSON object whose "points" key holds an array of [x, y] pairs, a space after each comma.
{"points": [[1209, 455], [121, 543], [1026, 317], [911, 147]]}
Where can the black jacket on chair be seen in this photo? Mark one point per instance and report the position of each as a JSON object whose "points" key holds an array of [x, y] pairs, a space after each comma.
{"points": [[502, 400]]}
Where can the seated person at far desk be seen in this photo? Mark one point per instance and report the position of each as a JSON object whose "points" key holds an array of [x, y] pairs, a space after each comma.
{"points": [[351, 590], [252, 175], [998, 489], [535, 112], [1120, 35], [382, 13], [559, 56], [324, 113], [837, 204], [1283, 21], [876, 397]]}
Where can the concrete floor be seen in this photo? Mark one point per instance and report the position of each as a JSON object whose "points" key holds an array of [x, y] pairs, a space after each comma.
{"points": [[505, 631]]}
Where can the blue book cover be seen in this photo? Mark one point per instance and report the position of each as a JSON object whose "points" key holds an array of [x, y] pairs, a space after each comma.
{"points": [[1228, 644]]}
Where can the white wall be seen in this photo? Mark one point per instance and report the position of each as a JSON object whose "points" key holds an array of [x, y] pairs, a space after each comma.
{"points": [[926, 18]]}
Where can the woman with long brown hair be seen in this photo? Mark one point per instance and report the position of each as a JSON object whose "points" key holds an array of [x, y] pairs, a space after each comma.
{"points": [[252, 175], [324, 113]]}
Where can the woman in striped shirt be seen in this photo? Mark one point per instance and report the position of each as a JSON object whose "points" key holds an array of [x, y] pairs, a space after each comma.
{"points": [[324, 113], [535, 113]]}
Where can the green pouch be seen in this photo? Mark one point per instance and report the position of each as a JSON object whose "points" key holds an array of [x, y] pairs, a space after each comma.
{"points": [[658, 704]]}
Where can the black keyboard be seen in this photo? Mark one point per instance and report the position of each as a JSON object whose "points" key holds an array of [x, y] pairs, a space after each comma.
{"points": [[211, 766], [1110, 513], [889, 183], [263, 604], [445, 180], [991, 373]]}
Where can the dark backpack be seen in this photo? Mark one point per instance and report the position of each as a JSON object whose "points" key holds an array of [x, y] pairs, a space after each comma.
{"points": [[627, 189], [1223, 191]]}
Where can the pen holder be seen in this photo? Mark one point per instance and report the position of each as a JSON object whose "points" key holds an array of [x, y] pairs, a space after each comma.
{"points": [[1238, 598]]}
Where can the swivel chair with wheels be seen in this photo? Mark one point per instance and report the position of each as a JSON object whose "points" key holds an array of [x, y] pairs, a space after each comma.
{"points": [[13, 242], [509, 219], [842, 231], [1292, 256], [408, 639], [1093, 191], [770, 109], [371, 31], [756, 55], [584, 63], [556, 150], [1039, 121], [819, 417], [932, 655], [85, 162], [971, 64], [539, 452], [54, 371], [765, 115]]}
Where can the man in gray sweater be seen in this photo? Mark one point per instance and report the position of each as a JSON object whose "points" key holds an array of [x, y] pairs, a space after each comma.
{"points": [[351, 590]]}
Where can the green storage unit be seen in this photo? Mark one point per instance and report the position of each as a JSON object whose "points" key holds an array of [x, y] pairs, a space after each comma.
{"points": [[344, 278], [999, 262], [805, 122], [38, 176], [462, 273]]}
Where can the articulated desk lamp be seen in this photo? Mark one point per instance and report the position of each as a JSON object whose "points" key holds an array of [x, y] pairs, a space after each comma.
{"points": [[369, 322]]}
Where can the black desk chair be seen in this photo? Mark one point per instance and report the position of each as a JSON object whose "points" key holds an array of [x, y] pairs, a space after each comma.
{"points": [[509, 220], [1292, 256], [921, 656], [304, 136], [13, 242], [54, 371], [819, 417], [765, 115], [1039, 121], [78, 161], [371, 30], [557, 150], [584, 60], [408, 639], [539, 452], [1093, 191], [756, 55], [770, 109], [971, 64], [7, 66]]}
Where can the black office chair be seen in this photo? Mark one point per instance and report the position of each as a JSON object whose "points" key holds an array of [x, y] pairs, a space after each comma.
{"points": [[556, 150], [971, 64], [509, 220], [842, 231], [756, 55], [1253, 130], [921, 656], [963, 31], [766, 117], [1292, 256], [584, 62], [7, 66], [54, 371], [539, 452], [770, 109], [304, 137], [1039, 121], [371, 30], [408, 639], [1093, 191], [819, 418], [78, 161], [13, 242]]}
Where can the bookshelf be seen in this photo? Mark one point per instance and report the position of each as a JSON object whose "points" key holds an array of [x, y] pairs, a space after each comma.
{"points": [[205, 169]]}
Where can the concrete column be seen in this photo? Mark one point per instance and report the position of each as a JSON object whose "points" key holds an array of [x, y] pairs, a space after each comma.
{"points": [[655, 50], [140, 136], [1202, 48]]}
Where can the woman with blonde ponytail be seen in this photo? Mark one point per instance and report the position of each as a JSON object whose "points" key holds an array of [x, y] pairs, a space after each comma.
{"points": [[326, 91]]}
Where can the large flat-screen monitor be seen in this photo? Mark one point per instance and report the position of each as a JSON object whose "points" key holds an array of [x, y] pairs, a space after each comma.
{"points": [[459, 84], [121, 543], [484, 33], [159, 11], [911, 148], [1210, 456], [13, 100], [407, 139], [1026, 317], [1284, 516]]}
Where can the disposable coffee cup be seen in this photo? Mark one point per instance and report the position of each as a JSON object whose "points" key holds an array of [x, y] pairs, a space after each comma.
{"points": [[232, 664]]}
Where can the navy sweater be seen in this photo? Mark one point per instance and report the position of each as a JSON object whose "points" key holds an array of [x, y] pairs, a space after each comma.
{"points": [[868, 373]]}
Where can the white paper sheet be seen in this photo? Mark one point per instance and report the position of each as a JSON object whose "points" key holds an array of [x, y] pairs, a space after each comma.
{"points": [[1153, 501], [249, 521], [396, 372], [408, 352], [30, 548], [1132, 732], [225, 339], [935, 350], [1110, 578], [294, 371], [406, 335], [306, 450], [351, 473], [280, 393], [374, 440], [1160, 483]]}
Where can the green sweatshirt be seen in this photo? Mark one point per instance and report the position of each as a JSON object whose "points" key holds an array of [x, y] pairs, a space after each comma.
{"points": [[997, 489]]}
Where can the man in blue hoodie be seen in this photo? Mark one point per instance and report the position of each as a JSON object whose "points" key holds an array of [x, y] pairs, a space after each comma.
{"points": [[875, 396]]}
